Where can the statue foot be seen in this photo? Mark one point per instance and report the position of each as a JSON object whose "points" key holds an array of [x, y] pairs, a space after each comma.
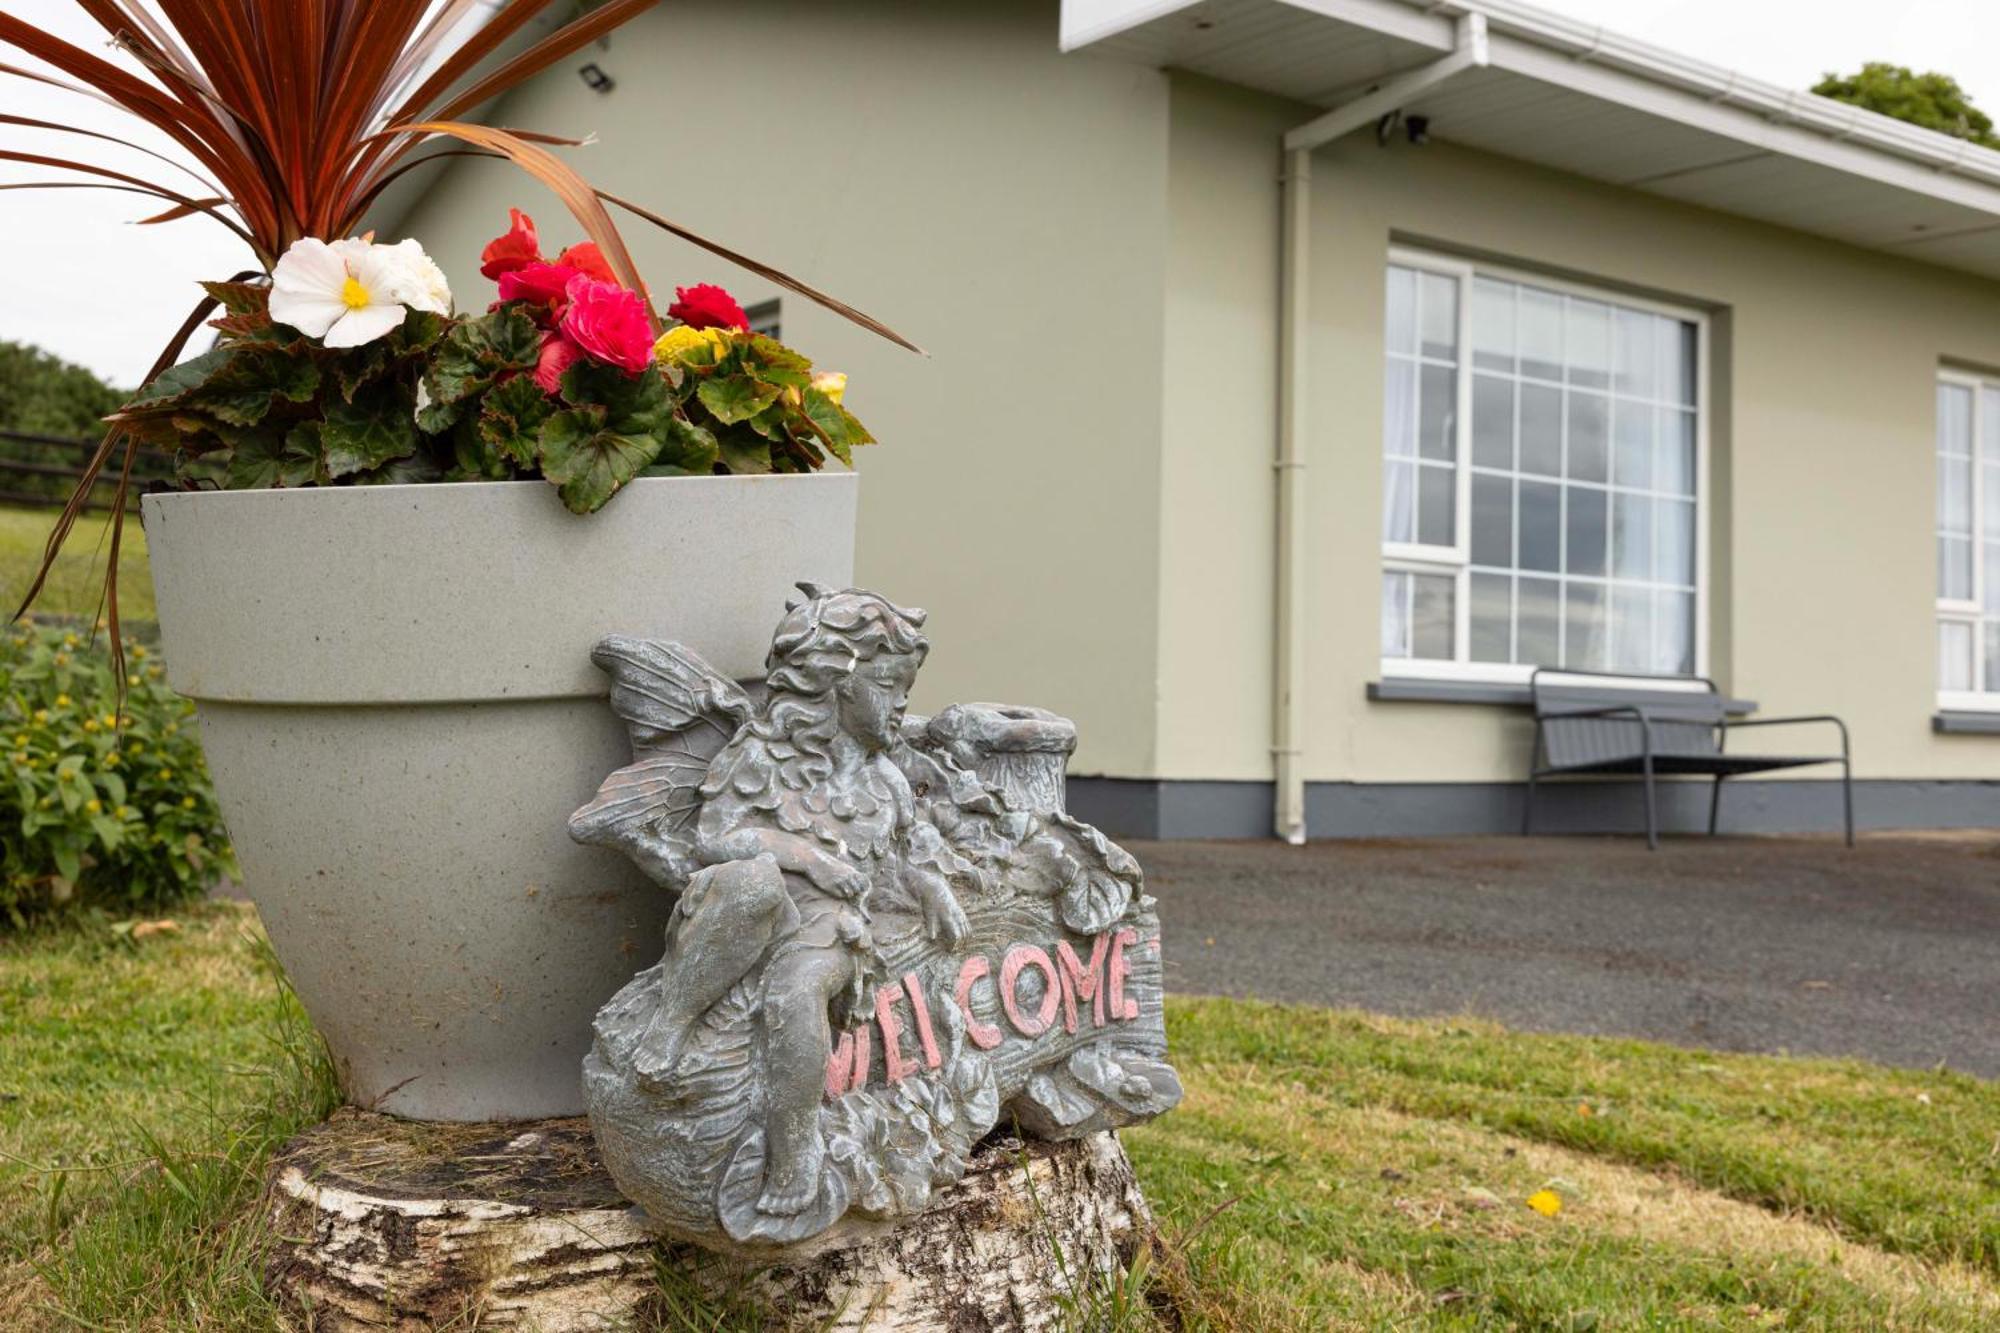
{"points": [[792, 1180]]}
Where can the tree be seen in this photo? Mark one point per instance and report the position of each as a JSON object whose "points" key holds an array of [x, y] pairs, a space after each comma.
{"points": [[44, 395], [1932, 100]]}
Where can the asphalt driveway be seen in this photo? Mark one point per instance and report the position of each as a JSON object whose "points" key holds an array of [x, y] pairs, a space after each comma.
{"points": [[1890, 951]]}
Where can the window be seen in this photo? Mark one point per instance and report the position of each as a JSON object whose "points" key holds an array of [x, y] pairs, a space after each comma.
{"points": [[763, 318], [1542, 477], [1968, 542]]}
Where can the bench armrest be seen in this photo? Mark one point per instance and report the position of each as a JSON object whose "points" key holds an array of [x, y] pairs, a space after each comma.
{"points": [[1614, 710], [1729, 726]]}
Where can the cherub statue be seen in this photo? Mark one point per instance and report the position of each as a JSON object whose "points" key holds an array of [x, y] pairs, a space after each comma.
{"points": [[817, 850]]}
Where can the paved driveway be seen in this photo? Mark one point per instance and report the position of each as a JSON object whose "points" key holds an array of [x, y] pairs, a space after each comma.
{"points": [[1890, 951]]}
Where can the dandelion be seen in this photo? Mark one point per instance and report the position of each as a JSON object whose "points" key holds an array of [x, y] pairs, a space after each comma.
{"points": [[1546, 1202]]}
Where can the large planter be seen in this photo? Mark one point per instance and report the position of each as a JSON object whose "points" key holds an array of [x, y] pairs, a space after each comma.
{"points": [[397, 700]]}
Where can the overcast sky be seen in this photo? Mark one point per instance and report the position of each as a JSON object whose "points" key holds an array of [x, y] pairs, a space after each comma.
{"points": [[89, 286]]}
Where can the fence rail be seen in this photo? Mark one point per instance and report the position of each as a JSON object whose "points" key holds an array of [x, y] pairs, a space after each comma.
{"points": [[43, 470]]}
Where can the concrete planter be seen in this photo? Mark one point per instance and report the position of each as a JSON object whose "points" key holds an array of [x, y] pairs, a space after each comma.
{"points": [[397, 700]]}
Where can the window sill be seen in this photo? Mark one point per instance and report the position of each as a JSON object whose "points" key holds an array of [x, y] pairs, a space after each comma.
{"points": [[1953, 722], [1412, 689]]}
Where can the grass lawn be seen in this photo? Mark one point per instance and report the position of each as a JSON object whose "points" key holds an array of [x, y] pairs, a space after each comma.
{"points": [[1328, 1170], [75, 586]]}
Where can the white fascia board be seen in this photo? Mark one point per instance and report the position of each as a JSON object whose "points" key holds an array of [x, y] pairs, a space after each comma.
{"points": [[1085, 22]]}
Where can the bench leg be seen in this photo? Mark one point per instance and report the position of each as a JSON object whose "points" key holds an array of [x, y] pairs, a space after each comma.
{"points": [[1714, 804], [1847, 798], [1652, 819], [1528, 808]]}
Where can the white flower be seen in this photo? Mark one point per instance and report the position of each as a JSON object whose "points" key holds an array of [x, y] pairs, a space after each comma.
{"points": [[352, 292]]}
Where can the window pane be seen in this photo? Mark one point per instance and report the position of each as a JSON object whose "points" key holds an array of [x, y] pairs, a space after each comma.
{"points": [[1430, 616], [1541, 430], [1492, 421], [1955, 569], [1541, 331], [1584, 550], [1399, 408], [1439, 303], [1541, 526], [1989, 499], [1993, 656], [1402, 312], [1540, 623], [1631, 629], [1677, 361], [1955, 494], [1399, 502], [1954, 423], [1989, 425], [1955, 655], [1395, 615], [1673, 633], [1492, 521], [1632, 537], [1588, 426], [1437, 435], [1674, 556], [1676, 467], [1989, 591], [1437, 498], [1632, 444], [1492, 324], [1584, 645], [1492, 618], [1589, 344], [1633, 370]]}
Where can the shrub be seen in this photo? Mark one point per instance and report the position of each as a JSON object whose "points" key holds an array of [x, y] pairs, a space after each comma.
{"points": [[100, 805]]}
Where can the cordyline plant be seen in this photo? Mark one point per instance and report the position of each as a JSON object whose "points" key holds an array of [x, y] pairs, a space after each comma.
{"points": [[297, 115]]}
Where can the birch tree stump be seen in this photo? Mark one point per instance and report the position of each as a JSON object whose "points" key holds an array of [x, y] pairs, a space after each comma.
{"points": [[381, 1223]]}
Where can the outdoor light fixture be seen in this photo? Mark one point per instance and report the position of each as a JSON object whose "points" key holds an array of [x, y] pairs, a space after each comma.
{"points": [[1418, 128], [595, 78]]}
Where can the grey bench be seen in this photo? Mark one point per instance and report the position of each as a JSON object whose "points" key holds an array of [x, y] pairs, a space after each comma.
{"points": [[1613, 724]]}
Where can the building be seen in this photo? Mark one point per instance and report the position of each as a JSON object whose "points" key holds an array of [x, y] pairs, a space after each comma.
{"points": [[1303, 371]]}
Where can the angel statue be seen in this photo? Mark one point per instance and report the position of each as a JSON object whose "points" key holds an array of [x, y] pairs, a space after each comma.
{"points": [[878, 941]]}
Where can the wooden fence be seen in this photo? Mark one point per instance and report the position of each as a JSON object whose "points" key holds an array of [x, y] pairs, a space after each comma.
{"points": [[42, 470]]}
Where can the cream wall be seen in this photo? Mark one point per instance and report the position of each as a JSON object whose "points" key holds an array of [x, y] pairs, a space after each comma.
{"points": [[943, 168], [1821, 498]]}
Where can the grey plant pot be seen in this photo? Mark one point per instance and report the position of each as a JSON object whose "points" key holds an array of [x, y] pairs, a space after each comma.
{"points": [[396, 697]]}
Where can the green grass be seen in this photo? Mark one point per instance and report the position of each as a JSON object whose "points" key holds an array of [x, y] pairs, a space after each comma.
{"points": [[1328, 1170], [75, 586]]}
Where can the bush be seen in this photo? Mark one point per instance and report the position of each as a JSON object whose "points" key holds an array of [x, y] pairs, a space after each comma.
{"points": [[101, 806]]}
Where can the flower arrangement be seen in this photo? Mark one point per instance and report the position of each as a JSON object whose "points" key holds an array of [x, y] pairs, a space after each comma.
{"points": [[350, 368]]}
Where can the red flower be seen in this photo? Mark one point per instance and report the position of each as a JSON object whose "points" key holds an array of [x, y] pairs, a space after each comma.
{"points": [[609, 324], [544, 284], [558, 355], [706, 306], [519, 247], [588, 260]]}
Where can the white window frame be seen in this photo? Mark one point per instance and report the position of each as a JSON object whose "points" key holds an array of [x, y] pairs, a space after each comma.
{"points": [[1967, 612], [1455, 560]]}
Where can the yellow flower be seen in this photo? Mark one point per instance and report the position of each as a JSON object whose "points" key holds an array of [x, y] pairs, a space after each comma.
{"points": [[172, 727], [21, 739], [20, 756], [674, 345], [1546, 1202], [139, 651], [110, 719], [70, 641], [90, 724], [62, 659], [93, 806], [123, 812], [62, 701], [187, 802], [131, 680], [832, 383], [111, 760], [41, 715], [166, 773]]}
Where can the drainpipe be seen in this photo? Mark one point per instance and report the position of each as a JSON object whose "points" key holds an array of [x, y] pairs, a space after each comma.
{"points": [[1289, 655]]}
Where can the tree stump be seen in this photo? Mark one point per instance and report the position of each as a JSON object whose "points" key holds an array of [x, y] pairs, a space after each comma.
{"points": [[381, 1223]]}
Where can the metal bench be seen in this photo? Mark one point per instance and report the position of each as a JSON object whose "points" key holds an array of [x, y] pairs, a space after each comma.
{"points": [[1612, 724]]}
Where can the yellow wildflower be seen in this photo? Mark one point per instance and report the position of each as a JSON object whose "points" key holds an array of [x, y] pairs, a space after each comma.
{"points": [[674, 345], [110, 719], [166, 773], [90, 724], [131, 680], [187, 802], [832, 383], [172, 727], [1546, 1202], [70, 641], [123, 812], [93, 806], [62, 701], [21, 739], [111, 760], [20, 756], [41, 715], [62, 659], [139, 650]]}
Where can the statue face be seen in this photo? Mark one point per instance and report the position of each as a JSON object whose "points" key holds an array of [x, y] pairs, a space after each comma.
{"points": [[872, 699]]}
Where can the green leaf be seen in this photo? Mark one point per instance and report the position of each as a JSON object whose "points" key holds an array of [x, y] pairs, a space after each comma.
{"points": [[690, 447], [264, 459], [68, 860], [240, 298], [588, 460], [843, 432], [734, 398], [632, 403], [175, 384], [476, 351], [774, 363], [255, 378], [363, 435], [743, 453], [511, 417]]}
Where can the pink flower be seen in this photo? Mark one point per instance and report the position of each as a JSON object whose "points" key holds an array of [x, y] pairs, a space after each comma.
{"points": [[558, 355], [504, 254], [544, 284], [706, 306], [609, 324]]}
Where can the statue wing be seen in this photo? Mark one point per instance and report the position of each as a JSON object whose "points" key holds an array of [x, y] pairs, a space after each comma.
{"points": [[660, 689], [680, 712]]}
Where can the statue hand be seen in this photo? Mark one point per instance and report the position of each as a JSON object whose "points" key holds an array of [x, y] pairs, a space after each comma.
{"points": [[841, 880], [944, 918]]}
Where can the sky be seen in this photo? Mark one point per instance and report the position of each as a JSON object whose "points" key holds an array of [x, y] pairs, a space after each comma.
{"points": [[91, 287]]}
